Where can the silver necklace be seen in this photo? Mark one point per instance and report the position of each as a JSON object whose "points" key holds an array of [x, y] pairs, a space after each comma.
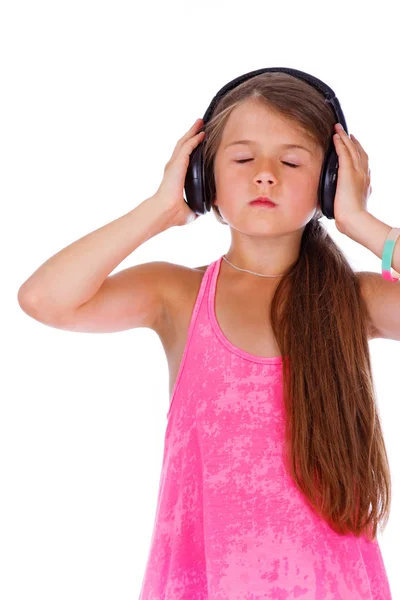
{"points": [[247, 271]]}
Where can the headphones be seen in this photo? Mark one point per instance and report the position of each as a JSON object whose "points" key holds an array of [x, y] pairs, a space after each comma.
{"points": [[197, 193]]}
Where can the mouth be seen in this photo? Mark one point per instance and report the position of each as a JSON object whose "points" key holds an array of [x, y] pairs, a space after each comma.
{"points": [[262, 201]]}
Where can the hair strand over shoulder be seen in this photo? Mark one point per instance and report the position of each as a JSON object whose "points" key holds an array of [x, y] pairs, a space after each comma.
{"points": [[334, 446]]}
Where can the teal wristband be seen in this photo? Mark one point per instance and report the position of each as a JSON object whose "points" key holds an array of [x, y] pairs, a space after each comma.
{"points": [[387, 256]]}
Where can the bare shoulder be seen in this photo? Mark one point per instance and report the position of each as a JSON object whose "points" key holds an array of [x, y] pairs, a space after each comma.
{"points": [[179, 295], [382, 298], [182, 282]]}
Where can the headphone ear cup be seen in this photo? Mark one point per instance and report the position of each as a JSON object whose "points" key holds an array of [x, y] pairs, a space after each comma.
{"points": [[328, 183], [196, 194]]}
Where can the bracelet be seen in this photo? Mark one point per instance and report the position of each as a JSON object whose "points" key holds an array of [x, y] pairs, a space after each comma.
{"points": [[387, 256]]}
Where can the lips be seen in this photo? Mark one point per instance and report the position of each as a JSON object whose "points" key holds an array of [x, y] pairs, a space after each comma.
{"points": [[263, 199]]}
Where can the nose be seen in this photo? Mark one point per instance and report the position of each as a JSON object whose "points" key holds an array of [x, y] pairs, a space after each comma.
{"points": [[269, 179], [265, 174], [265, 177]]}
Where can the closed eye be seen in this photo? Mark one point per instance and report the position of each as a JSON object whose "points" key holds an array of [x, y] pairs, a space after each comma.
{"points": [[243, 160]]}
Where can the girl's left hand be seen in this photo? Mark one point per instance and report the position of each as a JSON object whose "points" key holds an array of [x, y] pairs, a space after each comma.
{"points": [[354, 179]]}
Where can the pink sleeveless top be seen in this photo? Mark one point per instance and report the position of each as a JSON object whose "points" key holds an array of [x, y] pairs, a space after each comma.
{"points": [[230, 523]]}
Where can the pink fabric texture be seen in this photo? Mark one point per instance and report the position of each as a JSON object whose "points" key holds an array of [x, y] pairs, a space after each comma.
{"points": [[230, 523]]}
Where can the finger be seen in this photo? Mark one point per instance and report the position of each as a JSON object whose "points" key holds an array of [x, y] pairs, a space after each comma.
{"points": [[188, 135], [190, 132], [196, 125], [348, 150], [363, 155], [350, 146], [358, 145], [346, 146]]}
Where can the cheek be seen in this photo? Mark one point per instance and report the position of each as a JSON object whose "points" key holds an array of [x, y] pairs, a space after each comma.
{"points": [[304, 194], [308, 183], [229, 180]]}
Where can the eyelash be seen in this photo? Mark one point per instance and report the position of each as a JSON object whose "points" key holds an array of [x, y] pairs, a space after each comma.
{"points": [[285, 163]]}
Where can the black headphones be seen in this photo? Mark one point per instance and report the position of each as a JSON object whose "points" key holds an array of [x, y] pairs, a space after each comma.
{"points": [[197, 193]]}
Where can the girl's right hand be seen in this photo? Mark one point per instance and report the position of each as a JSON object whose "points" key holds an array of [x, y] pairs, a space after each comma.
{"points": [[169, 195]]}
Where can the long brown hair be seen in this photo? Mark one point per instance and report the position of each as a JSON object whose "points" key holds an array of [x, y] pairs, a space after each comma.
{"points": [[335, 451]]}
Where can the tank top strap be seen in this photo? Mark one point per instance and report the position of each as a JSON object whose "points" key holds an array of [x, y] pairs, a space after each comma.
{"points": [[207, 287], [212, 284], [199, 318], [212, 275]]}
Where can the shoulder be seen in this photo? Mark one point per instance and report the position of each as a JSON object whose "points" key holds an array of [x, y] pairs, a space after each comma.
{"points": [[181, 281], [382, 299], [180, 285], [176, 275]]}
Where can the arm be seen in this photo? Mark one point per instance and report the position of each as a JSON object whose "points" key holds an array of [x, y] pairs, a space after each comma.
{"points": [[382, 296], [72, 277]]}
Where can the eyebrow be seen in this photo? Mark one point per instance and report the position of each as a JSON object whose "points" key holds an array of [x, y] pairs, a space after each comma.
{"points": [[256, 143]]}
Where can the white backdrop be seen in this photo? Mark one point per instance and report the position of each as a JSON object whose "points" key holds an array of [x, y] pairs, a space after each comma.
{"points": [[94, 98]]}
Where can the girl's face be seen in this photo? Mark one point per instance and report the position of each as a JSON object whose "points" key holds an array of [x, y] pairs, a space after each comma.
{"points": [[293, 189]]}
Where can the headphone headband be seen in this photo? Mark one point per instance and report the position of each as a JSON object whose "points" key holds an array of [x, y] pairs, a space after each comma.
{"points": [[197, 194]]}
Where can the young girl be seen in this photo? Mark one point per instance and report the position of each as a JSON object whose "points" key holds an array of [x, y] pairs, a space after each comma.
{"points": [[260, 497]]}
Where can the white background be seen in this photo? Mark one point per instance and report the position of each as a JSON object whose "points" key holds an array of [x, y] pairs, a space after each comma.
{"points": [[94, 96]]}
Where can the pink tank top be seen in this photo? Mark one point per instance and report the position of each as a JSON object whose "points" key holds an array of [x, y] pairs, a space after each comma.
{"points": [[230, 523]]}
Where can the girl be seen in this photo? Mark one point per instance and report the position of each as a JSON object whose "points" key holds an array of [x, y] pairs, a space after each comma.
{"points": [[275, 474]]}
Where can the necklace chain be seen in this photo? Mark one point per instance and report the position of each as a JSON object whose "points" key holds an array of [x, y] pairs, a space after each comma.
{"points": [[247, 271]]}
